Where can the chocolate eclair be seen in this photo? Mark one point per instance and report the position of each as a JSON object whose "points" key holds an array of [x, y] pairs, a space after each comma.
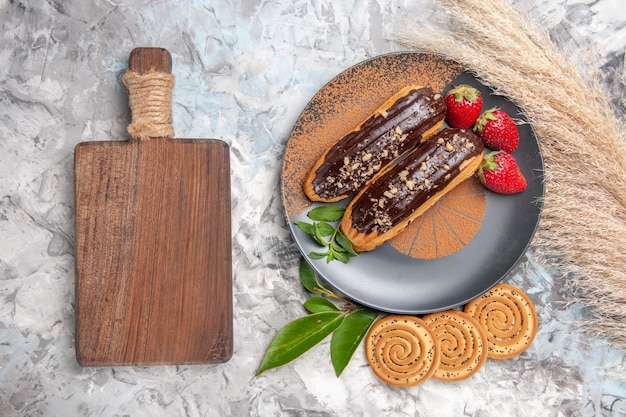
{"points": [[404, 191], [401, 123]]}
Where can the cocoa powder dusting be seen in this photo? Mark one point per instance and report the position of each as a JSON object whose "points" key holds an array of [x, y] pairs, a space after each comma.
{"points": [[447, 226]]}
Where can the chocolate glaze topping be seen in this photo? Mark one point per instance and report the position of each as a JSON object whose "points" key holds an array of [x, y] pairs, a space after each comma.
{"points": [[359, 155], [424, 172]]}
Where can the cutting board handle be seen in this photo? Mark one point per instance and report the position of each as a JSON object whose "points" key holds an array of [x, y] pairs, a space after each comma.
{"points": [[150, 85]]}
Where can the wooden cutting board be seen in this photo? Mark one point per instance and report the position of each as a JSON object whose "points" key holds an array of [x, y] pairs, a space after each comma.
{"points": [[153, 240]]}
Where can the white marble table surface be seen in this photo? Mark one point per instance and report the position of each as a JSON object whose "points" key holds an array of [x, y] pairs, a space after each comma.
{"points": [[245, 69]]}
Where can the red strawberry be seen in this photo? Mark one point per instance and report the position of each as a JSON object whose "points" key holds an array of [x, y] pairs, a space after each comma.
{"points": [[498, 130], [499, 172], [464, 104]]}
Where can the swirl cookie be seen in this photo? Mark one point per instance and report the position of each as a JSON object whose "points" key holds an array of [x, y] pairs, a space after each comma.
{"points": [[509, 318], [402, 350], [462, 344]]}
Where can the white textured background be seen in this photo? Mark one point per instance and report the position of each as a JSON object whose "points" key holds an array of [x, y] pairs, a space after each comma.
{"points": [[245, 69]]}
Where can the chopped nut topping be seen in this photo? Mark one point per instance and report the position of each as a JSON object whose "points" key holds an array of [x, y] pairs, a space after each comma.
{"points": [[383, 220], [366, 157], [423, 166], [449, 147], [410, 185], [446, 167], [384, 113]]}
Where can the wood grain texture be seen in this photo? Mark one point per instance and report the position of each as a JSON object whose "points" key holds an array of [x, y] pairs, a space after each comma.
{"points": [[153, 248]]}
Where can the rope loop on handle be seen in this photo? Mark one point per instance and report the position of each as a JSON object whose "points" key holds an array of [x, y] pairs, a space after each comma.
{"points": [[150, 99]]}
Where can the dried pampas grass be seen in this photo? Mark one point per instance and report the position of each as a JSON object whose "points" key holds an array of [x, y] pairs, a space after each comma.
{"points": [[582, 232]]}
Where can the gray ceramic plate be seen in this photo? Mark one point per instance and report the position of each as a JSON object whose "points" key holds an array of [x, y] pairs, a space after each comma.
{"points": [[386, 279]]}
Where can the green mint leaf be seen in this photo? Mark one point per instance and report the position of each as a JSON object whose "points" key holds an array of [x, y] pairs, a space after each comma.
{"points": [[325, 229], [345, 243], [339, 246], [349, 335], [309, 278], [299, 336], [340, 256], [326, 213], [318, 255], [319, 305], [319, 238], [307, 228]]}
